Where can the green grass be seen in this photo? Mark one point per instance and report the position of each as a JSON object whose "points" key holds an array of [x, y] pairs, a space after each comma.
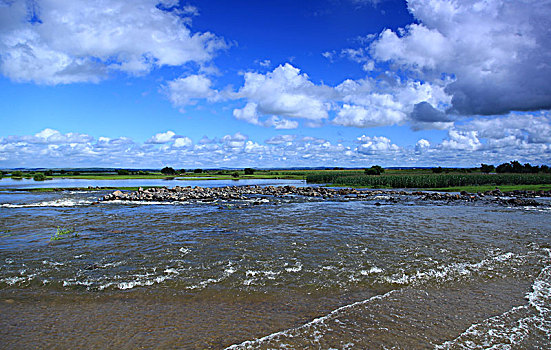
{"points": [[62, 233]]}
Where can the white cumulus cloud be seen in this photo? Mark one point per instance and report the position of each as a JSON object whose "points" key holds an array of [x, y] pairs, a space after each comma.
{"points": [[162, 137], [284, 92], [61, 42], [187, 90]]}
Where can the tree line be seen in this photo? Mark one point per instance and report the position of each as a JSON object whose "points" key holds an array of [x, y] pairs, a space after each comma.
{"points": [[515, 167]]}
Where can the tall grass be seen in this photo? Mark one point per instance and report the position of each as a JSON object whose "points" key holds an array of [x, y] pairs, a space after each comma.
{"points": [[429, 181]]}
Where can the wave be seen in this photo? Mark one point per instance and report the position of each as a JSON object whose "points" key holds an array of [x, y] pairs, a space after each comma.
{"points": [[317, 321], [452, 271], [313, 332], [512, 328]]}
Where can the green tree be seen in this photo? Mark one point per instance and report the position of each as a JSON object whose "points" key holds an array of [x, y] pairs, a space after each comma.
{"points": [[49, 172], [17, 173], [197, 171], [487, 168], [39, 177], [374, 170], [249, 171], [123, 172], [235, 174], [168, 171]]}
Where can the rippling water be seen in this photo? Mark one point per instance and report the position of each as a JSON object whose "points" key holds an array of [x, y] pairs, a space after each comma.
{"points": [[292, 273]]}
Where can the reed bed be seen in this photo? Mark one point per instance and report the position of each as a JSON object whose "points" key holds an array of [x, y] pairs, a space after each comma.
{"points": [[429, 180]]}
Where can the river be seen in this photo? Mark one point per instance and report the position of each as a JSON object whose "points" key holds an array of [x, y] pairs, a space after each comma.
{"points": [[292, 273]]}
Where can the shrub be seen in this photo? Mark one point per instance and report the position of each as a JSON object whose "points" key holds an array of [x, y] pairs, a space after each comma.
{"points": [[123, 172], [249, 171], [39, 177], [235, 174], [17, 173], [49, 172]]}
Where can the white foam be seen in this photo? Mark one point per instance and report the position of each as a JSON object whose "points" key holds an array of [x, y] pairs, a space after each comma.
{"points": [[113, 264], [448, 272], [63, 202], [371, 271], [494, 333], [540, 296], [316, 321], [205, 283], [296, 268], [509, 329]]}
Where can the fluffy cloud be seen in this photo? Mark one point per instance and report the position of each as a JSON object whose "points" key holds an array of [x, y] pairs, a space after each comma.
{"points": [[529, 128], [186, 91], [371, 103], [182, 142], [280, 139], [376, 144], [498, 52], [285, 95], [162, 137], [368, 116], [61, 42], [464, 146], [50, 136], [284, 92], [422, 145], [462, 140]]}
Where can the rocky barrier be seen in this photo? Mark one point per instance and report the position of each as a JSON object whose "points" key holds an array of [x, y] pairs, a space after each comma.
{"points": [[257, 194]]}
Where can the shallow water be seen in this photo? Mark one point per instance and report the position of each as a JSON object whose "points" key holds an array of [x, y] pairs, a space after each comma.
{"points": [[292, 273], [9, 183]]}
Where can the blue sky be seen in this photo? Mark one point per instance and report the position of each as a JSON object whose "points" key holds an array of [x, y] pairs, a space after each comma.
{"points": [[188, 84]]}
